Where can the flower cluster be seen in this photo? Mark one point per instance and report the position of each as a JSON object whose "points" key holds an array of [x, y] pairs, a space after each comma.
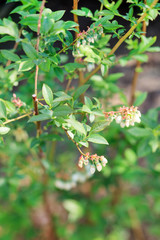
{"points": [[95, 160], [18, 103], [126, 116], [87, 38]]}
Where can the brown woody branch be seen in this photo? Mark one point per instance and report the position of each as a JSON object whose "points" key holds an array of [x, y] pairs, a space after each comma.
{"points": [[75, 17]]}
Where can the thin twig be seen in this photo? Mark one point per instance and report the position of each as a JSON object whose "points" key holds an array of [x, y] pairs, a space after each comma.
{"points": [[68, 85], [36, 112], [34, 96], [118, 44], [17, 118], [66, 47], [37, 45], [73, 142]]}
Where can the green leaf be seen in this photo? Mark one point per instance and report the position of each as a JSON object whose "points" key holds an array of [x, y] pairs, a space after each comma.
{"points": [[146, 43], [143, 148], [57, 15], [47, 24], [40, 117], [47, 94], [130, 155], [10, 55], [6, 39], [96, 138], [3, 111], [88, 102], [10, 107], [62, 98], [99, 126], [140, 99], [59, 73], [69, 25], [30, 20], [108, 14], [80, 90], [86, 109], [4, 130], [71, 67], [141, 57], [62, 111], [76, 125], [140, 132], [153, 49], [45, 65], [9, 28], [29, 50], [114, 76], [26, 65], [78, 12]]}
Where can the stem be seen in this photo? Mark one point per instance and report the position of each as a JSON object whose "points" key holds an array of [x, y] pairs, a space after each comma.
{"points": [[118, 44], [37, 45], [68, 85], [75, 17], [80, 73], [66, 47], [136, 74], [36, 112], [74, 142], [15, 119], [134, 83]]}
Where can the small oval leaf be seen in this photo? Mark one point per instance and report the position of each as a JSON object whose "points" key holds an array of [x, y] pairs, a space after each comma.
{"points": [[47, 94], [4, 130]]}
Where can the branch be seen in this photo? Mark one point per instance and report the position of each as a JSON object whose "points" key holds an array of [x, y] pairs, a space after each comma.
{"points": [[74, 142], [75, 17], [37, 45], [80, 73], [66, 47], [15, 119], [118, 44], [36, 112]]}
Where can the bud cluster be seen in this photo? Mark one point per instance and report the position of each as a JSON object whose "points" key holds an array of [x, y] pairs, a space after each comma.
{"points": [[18, 103], [126, 116], [87, 38], [94, 160]]}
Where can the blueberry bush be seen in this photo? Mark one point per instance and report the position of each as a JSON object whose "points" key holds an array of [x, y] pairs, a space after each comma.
{"points": [[73, 164]]}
